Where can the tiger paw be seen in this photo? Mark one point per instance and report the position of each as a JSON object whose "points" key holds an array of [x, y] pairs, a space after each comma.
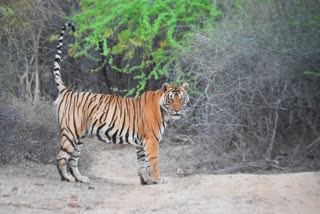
{"points": [[143, 181], [163, 180], [145, 176], [68, 178], [83, 179], [146, 180], [150, 181]]}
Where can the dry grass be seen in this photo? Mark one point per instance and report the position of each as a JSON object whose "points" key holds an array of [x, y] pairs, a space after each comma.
{"points": [[28, 132]]}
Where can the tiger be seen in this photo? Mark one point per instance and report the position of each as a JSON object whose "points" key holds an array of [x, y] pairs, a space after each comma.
{"points": [[139, 121]]}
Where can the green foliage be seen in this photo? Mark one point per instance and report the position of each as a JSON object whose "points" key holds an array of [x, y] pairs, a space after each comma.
{"points": [[149, 29], [238, 3], [6, 11], [311, 74]]}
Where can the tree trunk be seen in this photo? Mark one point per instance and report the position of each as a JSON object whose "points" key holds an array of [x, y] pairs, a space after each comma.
{"points": [[36, 45]]}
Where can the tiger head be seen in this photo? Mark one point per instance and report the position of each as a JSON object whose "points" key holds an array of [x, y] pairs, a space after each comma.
{"points": [[174, 99]]}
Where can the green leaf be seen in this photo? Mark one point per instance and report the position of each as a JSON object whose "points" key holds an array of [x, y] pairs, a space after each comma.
{"points": [[311, 74], [145, 34], [6, 11]]}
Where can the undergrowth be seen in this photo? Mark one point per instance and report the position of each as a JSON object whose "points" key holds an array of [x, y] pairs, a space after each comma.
{"points": [[251, 101]]}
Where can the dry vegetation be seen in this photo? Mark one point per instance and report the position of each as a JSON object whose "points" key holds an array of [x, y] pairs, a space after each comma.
{"points": [[28, 132], [252, 107]]}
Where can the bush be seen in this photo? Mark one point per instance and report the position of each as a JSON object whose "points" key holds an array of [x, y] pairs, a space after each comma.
{"points": [[251, 100], [28, 132], [137, 37]]}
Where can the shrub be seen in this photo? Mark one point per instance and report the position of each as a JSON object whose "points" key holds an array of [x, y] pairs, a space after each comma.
{"points": [[28, 132], [250, 99], [143, 33]]}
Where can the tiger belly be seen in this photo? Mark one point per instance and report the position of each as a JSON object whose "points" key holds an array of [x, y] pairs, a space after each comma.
{"points": [[109, 134]]}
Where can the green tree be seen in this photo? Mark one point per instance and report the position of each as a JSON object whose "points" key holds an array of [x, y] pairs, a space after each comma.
{"points": [[142, 33]]}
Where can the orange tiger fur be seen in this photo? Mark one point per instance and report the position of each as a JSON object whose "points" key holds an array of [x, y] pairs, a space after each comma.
{"points": [[114, 119]]}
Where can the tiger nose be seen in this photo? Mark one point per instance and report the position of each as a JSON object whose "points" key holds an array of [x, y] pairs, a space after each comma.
{"points": [[176, 110]]}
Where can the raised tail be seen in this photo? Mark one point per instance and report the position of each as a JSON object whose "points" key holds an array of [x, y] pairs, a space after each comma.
{"points": [[57, 58]]}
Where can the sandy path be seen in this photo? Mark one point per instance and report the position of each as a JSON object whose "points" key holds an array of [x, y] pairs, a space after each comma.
{"points": [[35, 188]]}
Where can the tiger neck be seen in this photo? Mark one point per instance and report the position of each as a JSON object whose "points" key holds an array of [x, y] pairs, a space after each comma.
{"points": [[154, 97], [164, 114], [154, 117]]}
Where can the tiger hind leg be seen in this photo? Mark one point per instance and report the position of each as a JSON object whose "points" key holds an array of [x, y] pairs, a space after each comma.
{"points": [[73, 164], [62, 161]]}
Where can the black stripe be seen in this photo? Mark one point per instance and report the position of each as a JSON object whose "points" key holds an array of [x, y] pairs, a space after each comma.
{"points": [[99, 102], [68, 107], [64, 90], [114, 113], [92, 109], [106, 115], [79, 102], [101, 116], [149, 159], [153, 97], [63, 149], [145, 97], [74, 115], [92, 99], [120, 106], [107, 131], [159, 124], [88, 94], [127, 136], [114, 137], [92, 127], [123, 124], [140, 154], [155, 135], [69, 132], [99, 128], [60, 44], [121, 140], [140, 107], [136, 142], [134, 117], [62, 101]]}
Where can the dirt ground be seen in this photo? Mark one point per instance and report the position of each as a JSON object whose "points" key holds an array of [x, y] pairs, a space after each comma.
{"points": [[114, 188]]}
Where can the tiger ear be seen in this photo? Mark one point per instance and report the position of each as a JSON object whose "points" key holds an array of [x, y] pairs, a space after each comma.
{"points": [[165, 86], [185, 85]]}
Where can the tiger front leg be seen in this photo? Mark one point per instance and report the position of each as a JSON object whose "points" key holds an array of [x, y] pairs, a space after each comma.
{"points": [[149, 164], [144, 171]]}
